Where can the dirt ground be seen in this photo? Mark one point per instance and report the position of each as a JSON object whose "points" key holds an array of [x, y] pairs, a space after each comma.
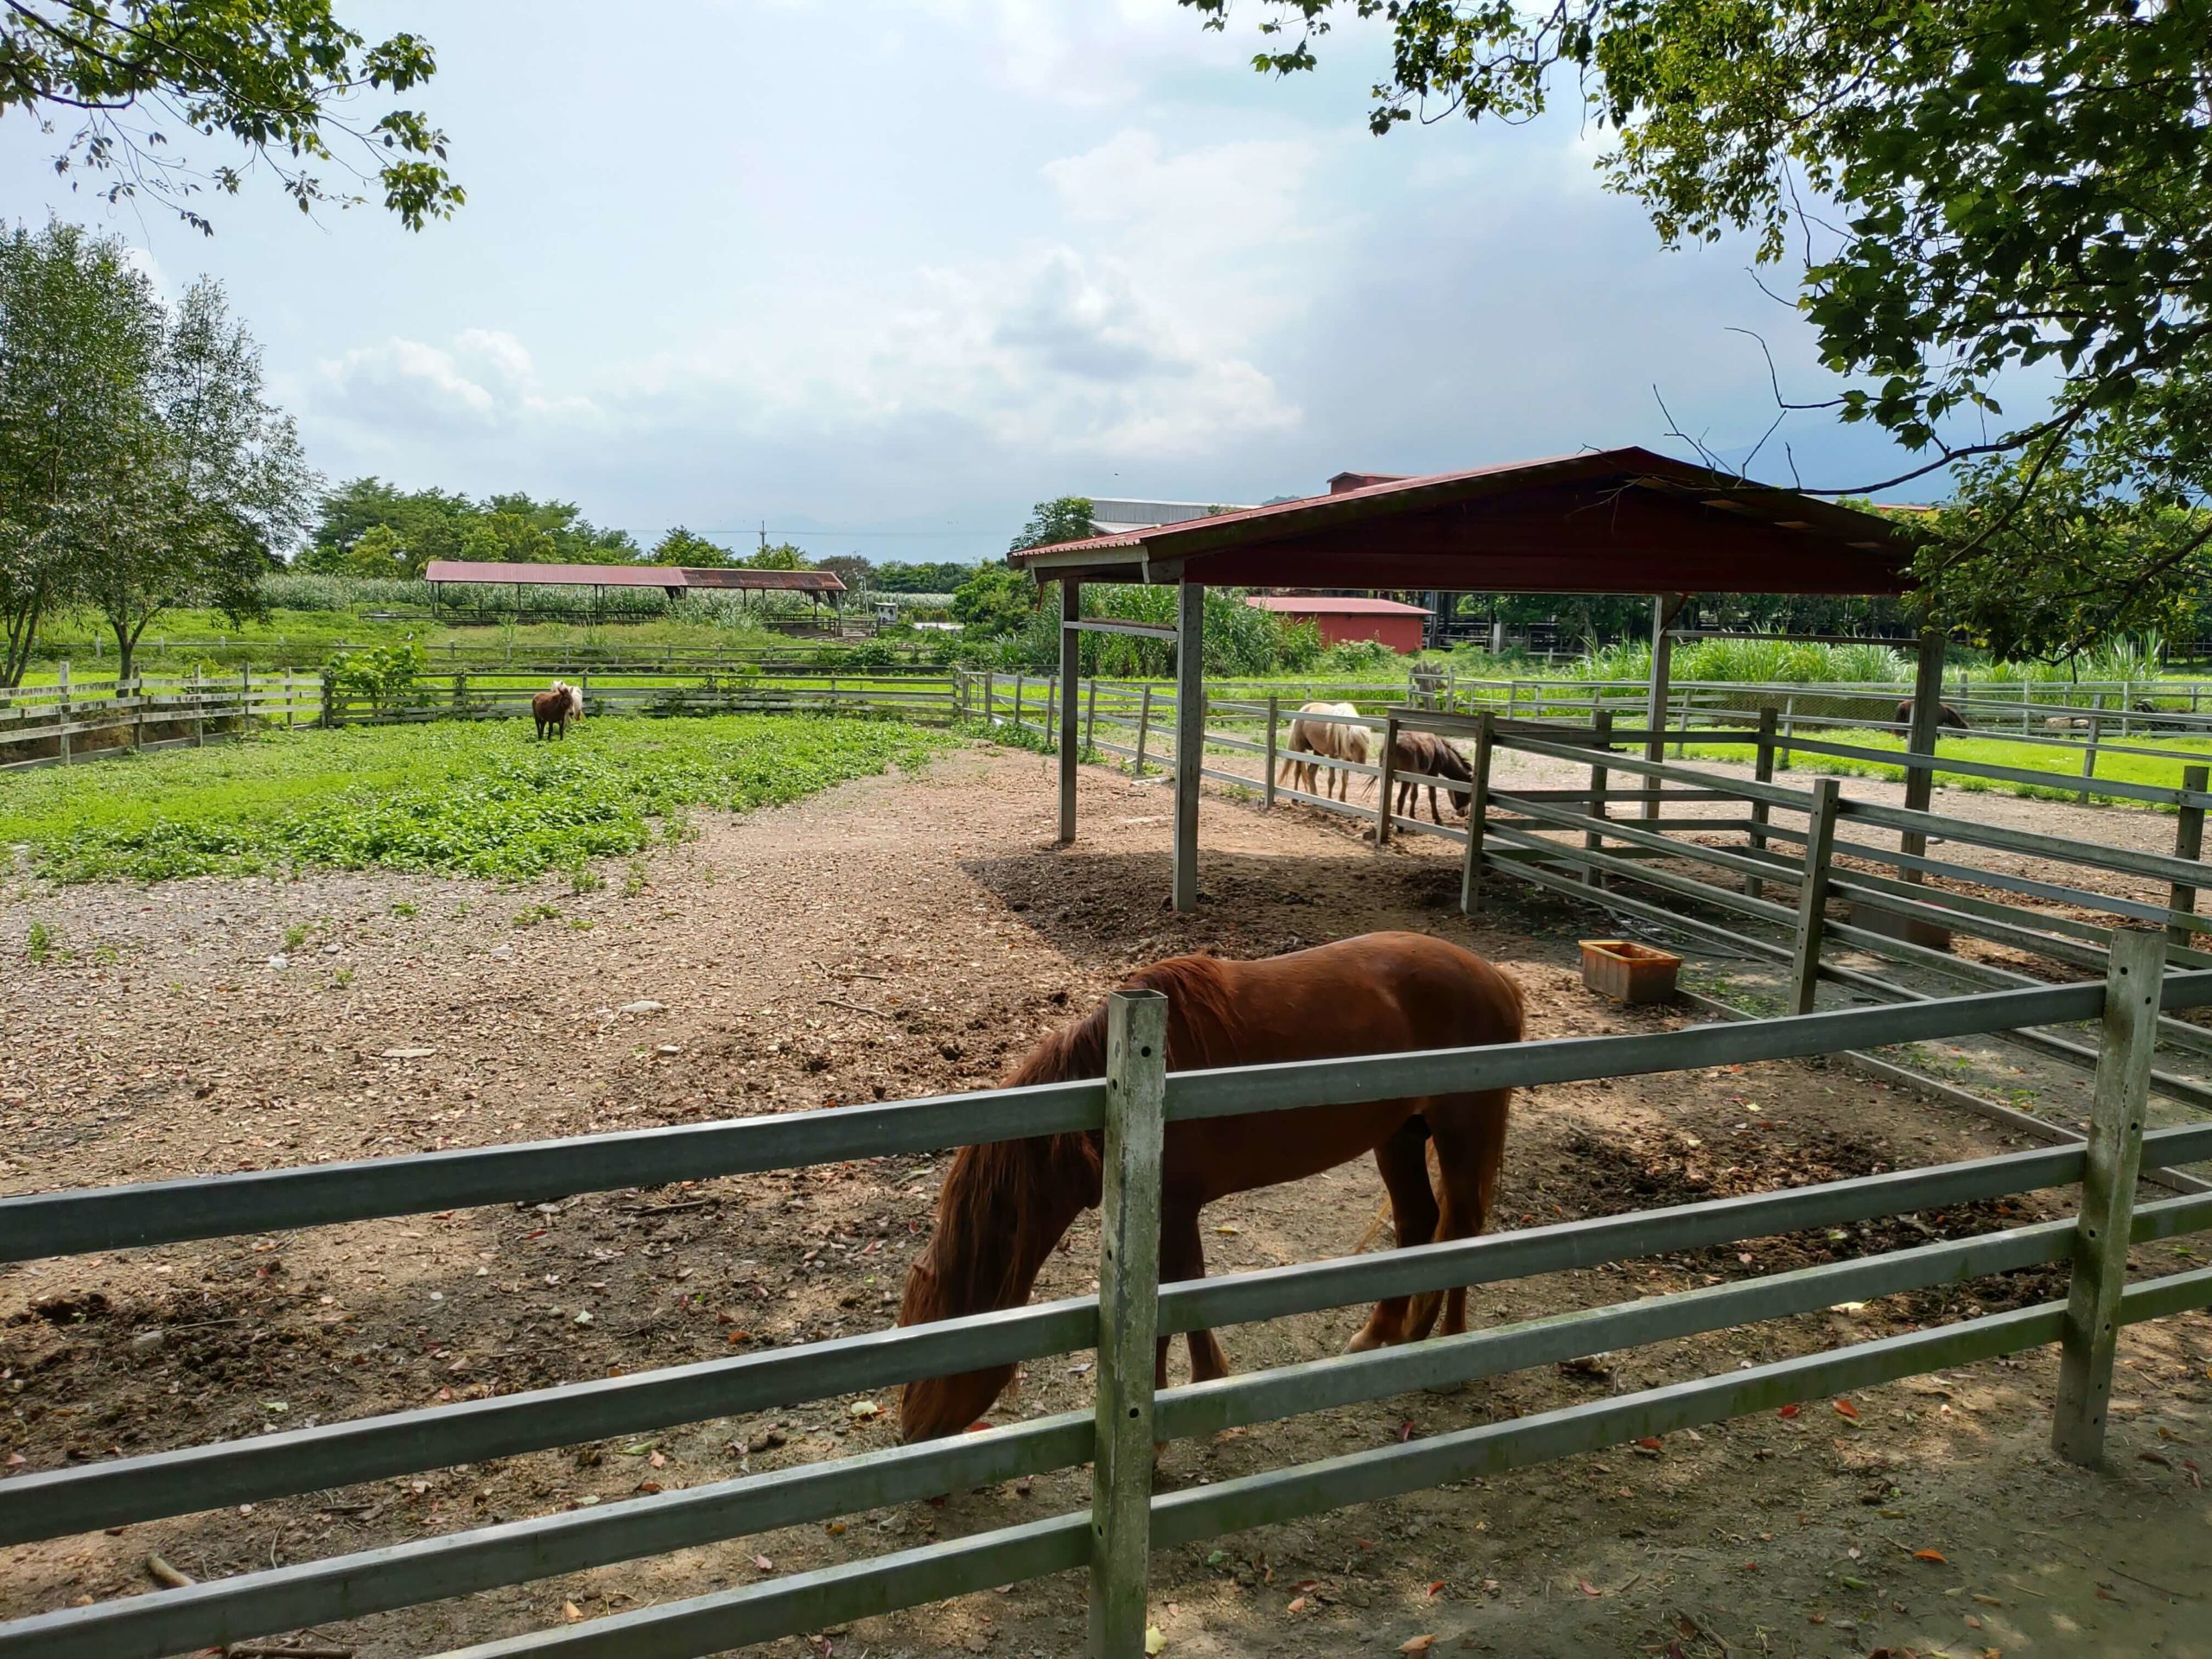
{"points": [[901, 936]]}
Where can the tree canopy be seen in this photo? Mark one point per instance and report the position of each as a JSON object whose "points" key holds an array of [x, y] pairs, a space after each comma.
{"points": [[140, 464], [431, 524], [1967, 190], [119, 83], [1066, 518]]}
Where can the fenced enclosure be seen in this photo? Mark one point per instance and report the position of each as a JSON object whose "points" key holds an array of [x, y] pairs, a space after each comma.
{"points": [[1130, 1108], [76, 720]]}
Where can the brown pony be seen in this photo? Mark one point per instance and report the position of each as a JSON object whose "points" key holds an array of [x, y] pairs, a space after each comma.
{"points": [[1946, 718], [1429, 755], [1005, 1205], [555, 708]]}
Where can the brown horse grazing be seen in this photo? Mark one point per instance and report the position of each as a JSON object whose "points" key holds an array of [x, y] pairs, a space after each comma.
{"points": [[1005, 1205], [1946, 717], [1426, 753], [555, 708]]}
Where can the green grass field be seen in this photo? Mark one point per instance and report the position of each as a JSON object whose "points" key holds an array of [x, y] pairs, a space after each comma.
{"points": [[459, 799], [2063, 764]]}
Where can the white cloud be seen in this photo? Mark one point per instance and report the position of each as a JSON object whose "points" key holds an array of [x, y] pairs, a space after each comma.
{"points": [[1209, 200], [484, 382]]}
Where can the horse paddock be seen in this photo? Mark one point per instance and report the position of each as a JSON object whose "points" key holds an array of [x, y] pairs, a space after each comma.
{"points": [[910, 935]]}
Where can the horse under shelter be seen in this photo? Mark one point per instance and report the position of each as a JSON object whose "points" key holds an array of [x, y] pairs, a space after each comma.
{"points": [[1610, 521]]}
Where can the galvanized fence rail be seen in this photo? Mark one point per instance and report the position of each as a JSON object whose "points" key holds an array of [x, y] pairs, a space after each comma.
{"points": [[1131, 1107]]}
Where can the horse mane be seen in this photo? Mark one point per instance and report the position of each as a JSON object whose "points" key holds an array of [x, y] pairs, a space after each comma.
{"points": [[1007, 1190]]}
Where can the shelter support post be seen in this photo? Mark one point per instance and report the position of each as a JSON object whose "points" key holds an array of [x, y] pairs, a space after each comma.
{"points": [[1071, 668], [1190, 736], [1665, 607], [1129, 1316], [2136, 965], [2189, 843], [1919, 738], [1813, 894]]}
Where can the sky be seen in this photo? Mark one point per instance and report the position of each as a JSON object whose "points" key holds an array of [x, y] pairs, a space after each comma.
{"points": [[879, 275]]}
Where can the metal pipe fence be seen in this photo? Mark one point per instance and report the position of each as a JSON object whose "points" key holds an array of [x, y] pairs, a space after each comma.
{"points": [[1130, 1108]]}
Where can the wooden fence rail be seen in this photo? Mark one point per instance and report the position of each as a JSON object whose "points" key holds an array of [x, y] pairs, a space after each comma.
{"points": [[1125, 1519]]}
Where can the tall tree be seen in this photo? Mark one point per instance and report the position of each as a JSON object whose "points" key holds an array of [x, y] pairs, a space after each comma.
{"points": [[680, 546], [222, 481], [1966, 190], [1066, 518], [80, 334], [125, 79]]}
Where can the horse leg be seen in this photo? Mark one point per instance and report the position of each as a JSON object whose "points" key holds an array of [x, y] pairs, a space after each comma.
{"points": [[1470, 1134], [1403, 1160], [1183, 1256]]}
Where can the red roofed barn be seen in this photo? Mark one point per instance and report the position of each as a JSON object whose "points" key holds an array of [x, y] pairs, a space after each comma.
{"points": [[1396, 626]]}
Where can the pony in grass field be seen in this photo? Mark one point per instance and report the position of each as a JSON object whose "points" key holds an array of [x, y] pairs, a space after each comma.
{"points": [[554, 707]]}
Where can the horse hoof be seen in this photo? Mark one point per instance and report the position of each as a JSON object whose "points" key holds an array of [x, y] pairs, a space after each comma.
{"points": [[1366, 1342]]}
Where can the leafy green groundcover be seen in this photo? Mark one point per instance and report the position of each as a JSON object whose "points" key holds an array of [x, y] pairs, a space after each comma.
{"points": [[458, 799]]}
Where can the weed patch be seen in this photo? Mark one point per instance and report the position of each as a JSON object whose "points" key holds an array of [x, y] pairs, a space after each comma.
{"points": [[458, 799]]}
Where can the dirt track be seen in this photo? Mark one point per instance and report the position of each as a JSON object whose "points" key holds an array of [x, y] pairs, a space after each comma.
{"points": [[903, 936]]}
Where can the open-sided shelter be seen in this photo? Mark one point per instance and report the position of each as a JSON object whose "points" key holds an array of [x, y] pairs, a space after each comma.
{"points": [[1610, 521]]}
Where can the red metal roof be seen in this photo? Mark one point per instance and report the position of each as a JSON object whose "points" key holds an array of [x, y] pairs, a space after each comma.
{"points": [[1615, 521], [555, 575], [776, 581], [1333, 605], [678, 577]]}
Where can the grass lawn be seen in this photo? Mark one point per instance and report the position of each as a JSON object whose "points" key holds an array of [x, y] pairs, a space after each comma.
{"points": [[466, 799], [1994, 751]]}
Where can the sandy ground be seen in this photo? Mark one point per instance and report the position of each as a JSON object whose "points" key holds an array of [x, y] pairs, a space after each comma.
{"points": [[901, 936]]}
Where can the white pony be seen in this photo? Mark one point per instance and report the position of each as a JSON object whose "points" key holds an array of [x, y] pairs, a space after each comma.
{"points": [[1326, 737]]}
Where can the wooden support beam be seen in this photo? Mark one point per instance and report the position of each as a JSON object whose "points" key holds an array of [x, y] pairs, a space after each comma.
{"points": [[1071, 670], [1128, 1320], [1190, 736], [2129, 1033], [1665, 607], [1921, 733]]}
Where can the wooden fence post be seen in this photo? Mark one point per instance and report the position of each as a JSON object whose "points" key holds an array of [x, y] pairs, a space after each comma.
{"points": [[1052, 704], [2096, 728], [1763, 772], [199, 707], [1129, 1319], [288, 693], [1021, 682], [1594, 841], [990, 698], [2189, 843], [1144, 730], [245, 701], [138, 709], [1813, 894], [61, 708], [329, 703], [2133, 970], [1470, 869], [1275, 719], [1789, 724], [1090, 717], [1383, 784]]}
